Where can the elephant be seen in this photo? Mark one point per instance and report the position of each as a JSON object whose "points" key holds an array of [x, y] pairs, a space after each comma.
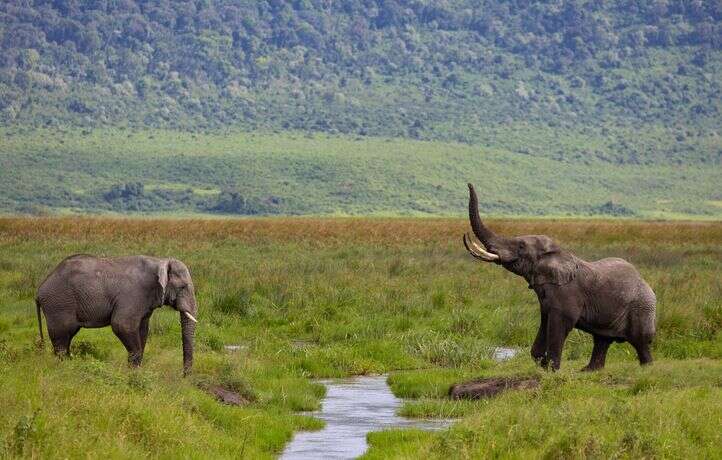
{"points": [[91, 292], [607, 298]]}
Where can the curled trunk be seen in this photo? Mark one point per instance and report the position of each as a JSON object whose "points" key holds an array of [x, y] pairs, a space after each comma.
{"points": [[485, 235]]}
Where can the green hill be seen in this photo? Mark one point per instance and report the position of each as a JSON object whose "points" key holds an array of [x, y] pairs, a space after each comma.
{"points": [[120, 170], [579, 107]]}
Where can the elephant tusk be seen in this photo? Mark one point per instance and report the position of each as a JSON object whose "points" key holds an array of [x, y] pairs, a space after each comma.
{"points": [[484, 252], [477, 251], [190, 316]]}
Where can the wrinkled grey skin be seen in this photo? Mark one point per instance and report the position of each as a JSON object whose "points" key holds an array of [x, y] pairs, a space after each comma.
{"points": [[88, 291], [607, 298]]}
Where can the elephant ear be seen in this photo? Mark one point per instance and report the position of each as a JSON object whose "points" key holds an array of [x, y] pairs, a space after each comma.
{"points": [[163, 277], [556, 268]]}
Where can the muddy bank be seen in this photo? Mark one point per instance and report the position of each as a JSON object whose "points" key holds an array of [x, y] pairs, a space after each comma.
{"points": [[492, 386]]}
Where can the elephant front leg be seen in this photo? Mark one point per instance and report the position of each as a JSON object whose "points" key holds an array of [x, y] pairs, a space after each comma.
{"points": [[558, 327], [538, 349], [642, 348]]}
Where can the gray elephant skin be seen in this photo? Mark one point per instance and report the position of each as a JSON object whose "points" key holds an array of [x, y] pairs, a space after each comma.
{"points": [[607, 298], [122, 292]]}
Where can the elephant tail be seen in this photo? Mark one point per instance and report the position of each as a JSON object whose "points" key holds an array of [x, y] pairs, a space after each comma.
{"points": [[40, 322]]}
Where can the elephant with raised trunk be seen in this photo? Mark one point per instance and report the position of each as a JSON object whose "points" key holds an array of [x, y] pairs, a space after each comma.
{"points": [[88, 291], [607, 298]]}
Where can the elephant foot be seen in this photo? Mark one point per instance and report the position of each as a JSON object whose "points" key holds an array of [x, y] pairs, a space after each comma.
{"points": [[135, 361], [589, 368], [554, 365], [62, 354]]}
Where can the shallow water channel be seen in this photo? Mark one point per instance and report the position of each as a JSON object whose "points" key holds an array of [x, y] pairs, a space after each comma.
{"points": [[354, 407]]}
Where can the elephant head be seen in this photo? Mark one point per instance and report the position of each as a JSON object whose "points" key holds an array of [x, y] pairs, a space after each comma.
{"points": [[537, 258], [177, 292]]}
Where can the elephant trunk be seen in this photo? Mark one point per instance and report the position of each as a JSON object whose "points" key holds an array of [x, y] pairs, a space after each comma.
{"points": [[188, 330], [485, 235]]}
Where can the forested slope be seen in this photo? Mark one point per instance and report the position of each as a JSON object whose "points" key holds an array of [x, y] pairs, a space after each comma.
{"points": [[429, 69]]}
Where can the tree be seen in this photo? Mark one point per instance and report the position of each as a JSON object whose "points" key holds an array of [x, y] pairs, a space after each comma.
{"points": [[28, 59]]}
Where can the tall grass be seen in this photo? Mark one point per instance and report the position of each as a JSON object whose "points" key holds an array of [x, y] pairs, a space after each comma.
{"points": [[305, 298]]}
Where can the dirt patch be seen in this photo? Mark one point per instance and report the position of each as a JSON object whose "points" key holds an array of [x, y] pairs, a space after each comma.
{"points": [[227, 396], [486, 388]]}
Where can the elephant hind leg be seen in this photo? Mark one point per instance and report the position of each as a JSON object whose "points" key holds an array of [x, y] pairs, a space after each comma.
{"points": [[143, 332], [558, 328], [130, 337], [61, 337], [599, 353]]}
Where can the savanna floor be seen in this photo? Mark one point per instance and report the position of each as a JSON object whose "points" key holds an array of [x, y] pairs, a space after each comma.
{"points": [[307, 298]]}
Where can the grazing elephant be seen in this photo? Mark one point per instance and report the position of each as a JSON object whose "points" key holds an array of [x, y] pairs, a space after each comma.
{"points": [[607, 298], [88, 291]]}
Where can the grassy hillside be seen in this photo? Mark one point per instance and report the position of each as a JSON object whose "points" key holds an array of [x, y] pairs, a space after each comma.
{"points": [[151, 171], [307, 298]]}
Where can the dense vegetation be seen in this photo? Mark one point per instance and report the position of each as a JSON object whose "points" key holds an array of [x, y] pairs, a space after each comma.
{"points": [[152, 171], [575, 107], [445, 70], [306, 298]]}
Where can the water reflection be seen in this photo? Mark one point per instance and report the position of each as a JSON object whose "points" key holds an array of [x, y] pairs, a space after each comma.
{"points": [[503, 353]]}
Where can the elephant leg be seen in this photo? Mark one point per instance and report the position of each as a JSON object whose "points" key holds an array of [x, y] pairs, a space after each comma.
{"points": [[538, 349], [143, 332], [642, 348], [558, 327], [61, 337], [599, 353], [130, 337]]}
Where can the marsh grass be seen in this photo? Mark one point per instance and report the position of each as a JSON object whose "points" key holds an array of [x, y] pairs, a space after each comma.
{"points": [[672, 409], [308, 298]]}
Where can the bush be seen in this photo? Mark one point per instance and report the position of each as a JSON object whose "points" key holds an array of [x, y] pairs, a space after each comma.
{"points": [[234, 202]]}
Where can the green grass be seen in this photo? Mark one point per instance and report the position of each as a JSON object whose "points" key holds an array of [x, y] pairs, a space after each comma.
{"points": [[309, 298], [672, 409], [49, 170]]}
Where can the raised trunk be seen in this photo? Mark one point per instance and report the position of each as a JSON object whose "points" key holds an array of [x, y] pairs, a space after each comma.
{"points": [[188, 330], [485, 235]]}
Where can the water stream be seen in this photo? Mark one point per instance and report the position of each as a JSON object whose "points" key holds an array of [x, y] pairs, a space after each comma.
{"points": [[354, 407]]}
